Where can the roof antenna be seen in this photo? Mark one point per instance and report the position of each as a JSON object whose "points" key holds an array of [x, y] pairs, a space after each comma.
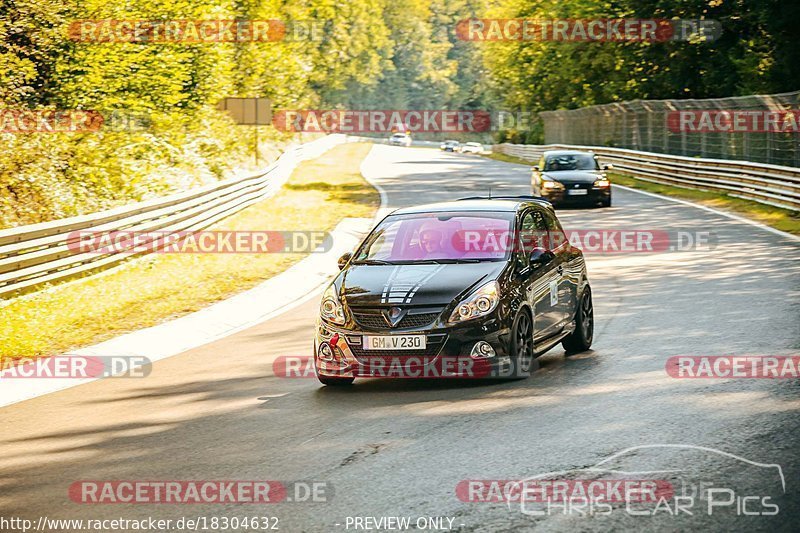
{"points": [[490, 192]]}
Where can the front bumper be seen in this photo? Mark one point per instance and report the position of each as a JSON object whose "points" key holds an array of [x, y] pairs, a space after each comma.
{"points": [[594, 195], [447, 354]]}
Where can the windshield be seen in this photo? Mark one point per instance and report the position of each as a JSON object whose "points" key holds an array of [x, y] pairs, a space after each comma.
{"points": [[571, 162], [438, 237]]}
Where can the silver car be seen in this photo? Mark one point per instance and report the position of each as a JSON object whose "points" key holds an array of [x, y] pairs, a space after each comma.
{"points": [[400, 139]]}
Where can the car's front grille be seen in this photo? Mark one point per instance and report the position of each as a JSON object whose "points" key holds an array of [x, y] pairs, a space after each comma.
{"points": [[374, 319], [366, 355], [417, 321], [370, 321], [433, 346]]}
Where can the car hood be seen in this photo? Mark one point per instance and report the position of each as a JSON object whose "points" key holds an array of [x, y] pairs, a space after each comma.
{"points": [[414, 285], [574, 176]]}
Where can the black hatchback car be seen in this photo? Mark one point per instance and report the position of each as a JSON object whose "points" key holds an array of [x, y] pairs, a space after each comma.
{"points": [[470, 288], [571, 178]]}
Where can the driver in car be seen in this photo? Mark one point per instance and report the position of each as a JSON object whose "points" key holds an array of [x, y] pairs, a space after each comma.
{"points": [[430, 241]]}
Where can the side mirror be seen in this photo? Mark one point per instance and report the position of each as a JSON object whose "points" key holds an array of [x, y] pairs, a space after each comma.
{"points": [[344, 260], [608, 167], [540, 256], [536, 168]]}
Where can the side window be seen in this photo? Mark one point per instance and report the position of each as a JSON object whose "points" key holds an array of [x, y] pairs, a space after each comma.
{"points": [[531, 231], [555, 233]]}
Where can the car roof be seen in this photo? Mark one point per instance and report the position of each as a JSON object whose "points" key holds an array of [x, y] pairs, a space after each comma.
{"points": [[472, 143], [567, 152], [500, 204]]}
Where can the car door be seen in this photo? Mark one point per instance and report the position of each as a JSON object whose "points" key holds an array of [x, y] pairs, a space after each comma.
{"points": [[541, 281], [568, 276]]}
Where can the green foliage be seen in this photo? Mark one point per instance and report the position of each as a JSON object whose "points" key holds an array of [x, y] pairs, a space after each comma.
{"points": [[755, 54], [368, 54]]}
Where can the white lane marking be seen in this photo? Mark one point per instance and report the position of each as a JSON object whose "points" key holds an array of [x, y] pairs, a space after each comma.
{"points": [[379, 214], [715, 211]]}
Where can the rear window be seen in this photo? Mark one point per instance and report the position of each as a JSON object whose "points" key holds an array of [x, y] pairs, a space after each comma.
{"points": [[571, 162]]}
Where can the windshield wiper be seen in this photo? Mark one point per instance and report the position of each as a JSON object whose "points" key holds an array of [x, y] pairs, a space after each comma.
{"points": [[456, 261], [442, 261], [372, 262]]}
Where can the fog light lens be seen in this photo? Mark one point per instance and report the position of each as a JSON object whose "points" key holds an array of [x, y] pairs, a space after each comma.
{"points": [[325, 352], [482, 349]]}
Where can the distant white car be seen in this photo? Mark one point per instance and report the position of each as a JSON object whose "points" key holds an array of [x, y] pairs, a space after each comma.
{"points": [[471, 148], [400, 139]]}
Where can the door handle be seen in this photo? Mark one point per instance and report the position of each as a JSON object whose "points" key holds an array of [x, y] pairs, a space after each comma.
{"points": [[560, 269]]}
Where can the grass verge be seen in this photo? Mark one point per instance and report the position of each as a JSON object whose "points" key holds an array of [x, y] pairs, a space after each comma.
{"points": [[782, 219], [158, 287], [508, 159]]}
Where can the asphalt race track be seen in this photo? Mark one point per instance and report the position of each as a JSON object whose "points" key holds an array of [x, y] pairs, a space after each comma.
{"points": [[399, 448]]}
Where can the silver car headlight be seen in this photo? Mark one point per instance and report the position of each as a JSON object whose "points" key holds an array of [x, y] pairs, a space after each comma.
{"points": [[480, 303], [330, 308]]}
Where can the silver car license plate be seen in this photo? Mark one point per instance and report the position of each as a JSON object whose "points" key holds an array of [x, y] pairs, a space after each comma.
{"points": [[394, 342]]}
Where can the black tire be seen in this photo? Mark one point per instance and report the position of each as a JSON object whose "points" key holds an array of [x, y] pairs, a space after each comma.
{"points": [[335, 382], [606, 203], [522, 358], [580, 340]]}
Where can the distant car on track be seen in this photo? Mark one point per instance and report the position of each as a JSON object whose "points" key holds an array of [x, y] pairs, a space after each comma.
{"points": [[450, 146], [471, 148], [571, 178], [424, 286], [400, 139]]}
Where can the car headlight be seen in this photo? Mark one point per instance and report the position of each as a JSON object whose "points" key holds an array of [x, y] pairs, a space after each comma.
{"points": [[330, 308], [480, 303], [602, 182], [549, 184]]}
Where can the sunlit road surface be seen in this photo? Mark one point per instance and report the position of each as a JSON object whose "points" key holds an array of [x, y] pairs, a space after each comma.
{"points": [[400, 447]]}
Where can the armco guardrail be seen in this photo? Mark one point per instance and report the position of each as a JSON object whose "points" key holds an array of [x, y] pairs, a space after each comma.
{"points": [[41, 253], [769, 184]]}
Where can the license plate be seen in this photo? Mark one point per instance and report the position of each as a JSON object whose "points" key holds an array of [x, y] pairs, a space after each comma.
{"points": [[577, 192], [394, 342]]}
